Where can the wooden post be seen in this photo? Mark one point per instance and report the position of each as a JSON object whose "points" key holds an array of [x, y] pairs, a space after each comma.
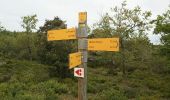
{"points": [[82, 47]]}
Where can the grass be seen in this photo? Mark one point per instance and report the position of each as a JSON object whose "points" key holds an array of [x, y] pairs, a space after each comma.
{"points": [[24, 80]]}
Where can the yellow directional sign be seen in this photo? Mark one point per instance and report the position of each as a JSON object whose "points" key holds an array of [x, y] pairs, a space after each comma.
{"points": [[63, 34], [82, 17], [103, 44], [74, 59]]}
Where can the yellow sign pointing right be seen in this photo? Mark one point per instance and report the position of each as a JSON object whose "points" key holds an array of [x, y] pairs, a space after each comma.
{"points": [[103, 44]]}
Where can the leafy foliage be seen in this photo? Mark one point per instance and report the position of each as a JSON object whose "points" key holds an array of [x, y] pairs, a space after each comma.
{"points": [[47, 76], [131, 26], [29, 24], [55, 53], [163, 27]]}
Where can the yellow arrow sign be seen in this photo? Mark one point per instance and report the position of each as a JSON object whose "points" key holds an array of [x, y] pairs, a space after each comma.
{"points": [[82, 17], [63, 34], [103, 44], [74, 59]]}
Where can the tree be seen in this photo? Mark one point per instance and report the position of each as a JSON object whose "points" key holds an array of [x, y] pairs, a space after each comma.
{"points": [[55, 53], [127, 24], [162, 24], [29, 24], [2, 28]]}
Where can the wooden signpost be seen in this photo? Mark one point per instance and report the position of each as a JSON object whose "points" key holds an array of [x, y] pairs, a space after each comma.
{"points": [[82, 47], [80, 58]]}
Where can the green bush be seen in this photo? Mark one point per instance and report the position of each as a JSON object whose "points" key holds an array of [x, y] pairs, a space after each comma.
{"points": [[112, 94], [152, 83], [51, 86], [130, 92]]}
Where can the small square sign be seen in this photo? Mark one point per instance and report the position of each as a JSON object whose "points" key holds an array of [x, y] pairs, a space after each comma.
{"points": [[79, 72]]}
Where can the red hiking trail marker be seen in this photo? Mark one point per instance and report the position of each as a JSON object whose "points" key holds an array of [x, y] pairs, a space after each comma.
{"points": [[79, 72]]}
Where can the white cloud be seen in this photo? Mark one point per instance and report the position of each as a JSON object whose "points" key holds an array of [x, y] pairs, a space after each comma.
{"points": [[13, 10]]}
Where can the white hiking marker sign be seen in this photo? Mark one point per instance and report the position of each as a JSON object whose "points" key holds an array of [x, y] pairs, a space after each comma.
{"points": [[79, 72]]}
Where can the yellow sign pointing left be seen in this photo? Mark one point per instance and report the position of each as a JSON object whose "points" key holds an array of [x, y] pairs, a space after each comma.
{"points": [[74, 59], [63, 34]]}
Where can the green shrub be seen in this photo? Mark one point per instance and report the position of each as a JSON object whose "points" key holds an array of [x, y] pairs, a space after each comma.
{"points": [[130, 92], [91, 88], [153, 83], [51, 86], [153, 97], [112, 94]]}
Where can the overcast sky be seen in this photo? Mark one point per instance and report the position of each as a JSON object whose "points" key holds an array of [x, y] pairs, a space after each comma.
{"points": [[11, 11]]}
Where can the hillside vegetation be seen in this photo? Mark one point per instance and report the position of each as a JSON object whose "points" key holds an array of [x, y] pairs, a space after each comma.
{"points": [[32, 68], [25, 80]]}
